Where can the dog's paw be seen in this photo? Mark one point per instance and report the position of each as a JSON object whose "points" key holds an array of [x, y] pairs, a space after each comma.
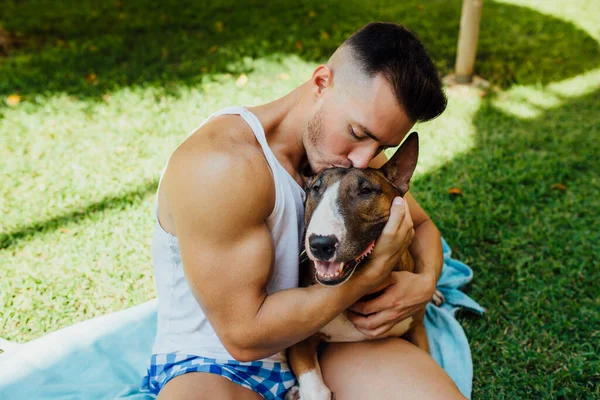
{"points": [[438, 298], [321, 395], [312, 387], [293, 393]]}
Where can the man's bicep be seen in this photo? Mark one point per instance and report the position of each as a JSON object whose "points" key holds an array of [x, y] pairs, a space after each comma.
{"points": [[417, 212], [227, 275], [219, 205]]}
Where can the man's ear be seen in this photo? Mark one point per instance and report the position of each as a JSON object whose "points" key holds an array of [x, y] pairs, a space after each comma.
{"points": [[322, 78], [400, 168]]}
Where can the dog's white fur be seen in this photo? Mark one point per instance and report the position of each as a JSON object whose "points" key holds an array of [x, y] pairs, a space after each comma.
{"points": [[312, 386], [326, 219]]}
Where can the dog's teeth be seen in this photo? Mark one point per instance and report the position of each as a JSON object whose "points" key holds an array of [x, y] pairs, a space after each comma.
{"points": [[341, 268]]}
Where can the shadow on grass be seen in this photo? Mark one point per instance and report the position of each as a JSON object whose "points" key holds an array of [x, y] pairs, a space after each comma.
{"points": [[135, 196], [126, 43], [533, 248]]}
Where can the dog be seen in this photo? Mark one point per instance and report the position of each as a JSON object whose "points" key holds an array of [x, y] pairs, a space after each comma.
{"points": [[346, 211]]}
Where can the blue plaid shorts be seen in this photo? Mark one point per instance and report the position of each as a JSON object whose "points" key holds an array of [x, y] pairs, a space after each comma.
{"points": [[269, 379]]}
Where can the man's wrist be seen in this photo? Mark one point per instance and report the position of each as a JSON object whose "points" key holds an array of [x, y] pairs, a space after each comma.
{"points": [[429, 281], [358, 285], [339, 297]]}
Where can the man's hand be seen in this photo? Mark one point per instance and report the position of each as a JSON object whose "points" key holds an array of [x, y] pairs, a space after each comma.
{"points": [[404, 293], [392, 243]]}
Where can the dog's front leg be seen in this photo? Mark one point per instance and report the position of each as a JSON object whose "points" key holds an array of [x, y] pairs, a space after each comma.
{"points": [[302, 358]]}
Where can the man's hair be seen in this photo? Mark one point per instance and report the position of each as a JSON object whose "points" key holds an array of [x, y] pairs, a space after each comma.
{"points": [[396, 53]]}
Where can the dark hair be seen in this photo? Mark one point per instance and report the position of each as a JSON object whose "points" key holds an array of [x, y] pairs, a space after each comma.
{"points": [[396, 53]]}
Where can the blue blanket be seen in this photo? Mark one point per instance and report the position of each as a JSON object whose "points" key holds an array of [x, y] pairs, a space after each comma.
{"points": [[105, 357], [447, 341]]}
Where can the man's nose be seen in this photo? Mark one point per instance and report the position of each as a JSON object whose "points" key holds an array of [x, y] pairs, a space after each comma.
{"points": [[322, 247], [361, 157]]}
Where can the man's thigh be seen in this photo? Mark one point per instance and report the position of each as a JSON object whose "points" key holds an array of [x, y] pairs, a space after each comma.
{"points": [[384, 369], [204, 386]]}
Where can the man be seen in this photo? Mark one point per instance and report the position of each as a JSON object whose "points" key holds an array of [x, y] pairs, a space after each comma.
{"points": [[229, 228]]}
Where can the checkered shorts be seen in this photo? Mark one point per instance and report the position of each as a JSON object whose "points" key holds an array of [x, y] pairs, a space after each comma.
{"points": [[269, 379]]}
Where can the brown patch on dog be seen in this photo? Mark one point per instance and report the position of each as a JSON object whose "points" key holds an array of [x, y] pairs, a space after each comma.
{"points": [[303, 355], [365, 200]]}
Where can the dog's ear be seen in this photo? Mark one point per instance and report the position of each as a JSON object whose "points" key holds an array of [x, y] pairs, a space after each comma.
{"points": [[399, 169]]}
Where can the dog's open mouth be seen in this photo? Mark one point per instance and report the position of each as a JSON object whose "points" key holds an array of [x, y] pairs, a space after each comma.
{"points": [[335, 273]]}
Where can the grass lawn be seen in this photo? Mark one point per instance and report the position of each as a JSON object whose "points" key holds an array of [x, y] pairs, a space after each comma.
{"points": [[94, 96]]}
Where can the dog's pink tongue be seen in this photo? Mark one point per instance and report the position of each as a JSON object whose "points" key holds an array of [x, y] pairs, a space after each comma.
{"points": [[327, 268]]}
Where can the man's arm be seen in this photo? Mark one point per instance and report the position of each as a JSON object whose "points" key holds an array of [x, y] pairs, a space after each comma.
{"points": [[426, 247], [220, 198]]}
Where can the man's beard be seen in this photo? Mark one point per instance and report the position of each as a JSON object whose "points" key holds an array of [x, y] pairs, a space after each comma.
{"points": [[315, 130]]}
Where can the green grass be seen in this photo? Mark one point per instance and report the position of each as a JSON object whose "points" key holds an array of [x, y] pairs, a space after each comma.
{"points": [[80, 160]]}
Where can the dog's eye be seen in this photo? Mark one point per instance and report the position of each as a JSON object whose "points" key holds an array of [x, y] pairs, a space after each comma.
{"points": [[366, 191], [315, 188]]}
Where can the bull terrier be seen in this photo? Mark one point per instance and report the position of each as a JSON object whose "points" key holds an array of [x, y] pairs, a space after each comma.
{"points": [[346, 210]]}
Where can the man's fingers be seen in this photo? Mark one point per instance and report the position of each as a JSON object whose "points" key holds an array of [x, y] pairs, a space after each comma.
{"points": [[407, 225], [379, 303], [407, 216], [371, 322], [380, 330], [397, 215]]}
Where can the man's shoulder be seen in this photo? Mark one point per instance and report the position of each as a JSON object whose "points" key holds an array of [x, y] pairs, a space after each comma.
{"points": [[221, 159], [224, 143], [222, 136], [226, 127]]}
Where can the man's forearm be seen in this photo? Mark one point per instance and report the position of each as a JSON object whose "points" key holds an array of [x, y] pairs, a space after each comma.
{"points": [[289, 316], [426, 249]]}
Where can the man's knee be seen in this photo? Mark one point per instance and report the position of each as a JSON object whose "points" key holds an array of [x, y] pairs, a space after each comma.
{"points": [[384, 369], [204, 386]]}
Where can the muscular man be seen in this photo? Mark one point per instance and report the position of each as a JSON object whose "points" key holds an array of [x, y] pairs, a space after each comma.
{"points": [[229, 230]]}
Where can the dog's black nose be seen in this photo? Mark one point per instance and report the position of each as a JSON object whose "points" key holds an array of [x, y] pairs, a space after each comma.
{"points": [[322, 247]]}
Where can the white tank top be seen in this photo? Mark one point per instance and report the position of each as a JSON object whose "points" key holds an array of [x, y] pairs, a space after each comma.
{"points": [[182, 325]]}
